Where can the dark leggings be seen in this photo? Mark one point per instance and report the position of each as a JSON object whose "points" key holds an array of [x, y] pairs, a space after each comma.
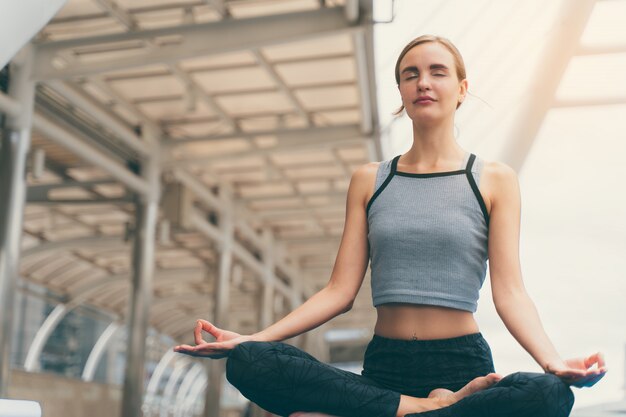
{"points": [[283, 379]]}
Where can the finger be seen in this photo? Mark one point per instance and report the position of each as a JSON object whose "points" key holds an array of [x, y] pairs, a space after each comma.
{"points": [[181, 348], [595, 358], [197, 333], [209, 346], [571, 373], [209, 327], [600, 360]]}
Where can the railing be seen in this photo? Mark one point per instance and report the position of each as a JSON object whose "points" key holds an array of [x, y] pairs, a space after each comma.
{"points": [[19, 408]]}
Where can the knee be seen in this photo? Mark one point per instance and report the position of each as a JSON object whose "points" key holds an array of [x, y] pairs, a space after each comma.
{"points": [[241, 358], [551, 396]]}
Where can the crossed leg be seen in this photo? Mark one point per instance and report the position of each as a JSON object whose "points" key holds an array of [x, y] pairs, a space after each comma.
{"points": [[522, 394], [285, 380]]}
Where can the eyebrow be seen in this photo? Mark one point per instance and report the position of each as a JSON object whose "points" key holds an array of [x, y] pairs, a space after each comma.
{"points": [[433, 66]]}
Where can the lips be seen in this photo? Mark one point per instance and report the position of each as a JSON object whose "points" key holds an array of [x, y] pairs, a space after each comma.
{"points": [[423, 99]]}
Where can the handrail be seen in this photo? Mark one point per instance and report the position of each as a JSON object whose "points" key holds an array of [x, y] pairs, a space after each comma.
{"points": [[19, 408]]}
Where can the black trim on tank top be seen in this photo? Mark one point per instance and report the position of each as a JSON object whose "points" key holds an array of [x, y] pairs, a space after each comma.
{"points": [[426, 174], [430, 174], [472, 182], [380, 189], [468, 171]]}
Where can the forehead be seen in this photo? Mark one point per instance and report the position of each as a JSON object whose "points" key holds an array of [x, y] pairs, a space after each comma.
{"points": [[426, 54]]}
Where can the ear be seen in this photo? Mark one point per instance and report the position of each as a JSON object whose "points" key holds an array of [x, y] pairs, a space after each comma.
{"points": [[463, 86]]}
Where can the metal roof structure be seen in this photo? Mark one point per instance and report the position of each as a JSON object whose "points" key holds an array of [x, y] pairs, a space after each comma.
{"points": [[272, 98], [241, 120]]}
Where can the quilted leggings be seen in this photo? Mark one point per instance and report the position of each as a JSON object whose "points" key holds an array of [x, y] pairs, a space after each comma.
{"points": [[283, 379]]}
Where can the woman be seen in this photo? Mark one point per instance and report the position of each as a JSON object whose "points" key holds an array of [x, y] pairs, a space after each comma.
{"points": [[429, 229]]}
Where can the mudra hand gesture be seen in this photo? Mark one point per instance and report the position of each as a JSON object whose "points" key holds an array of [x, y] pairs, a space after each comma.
{"points": [[224, 341], [578, 372]]}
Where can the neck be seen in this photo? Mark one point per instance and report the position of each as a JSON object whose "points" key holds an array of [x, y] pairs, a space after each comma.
{"points": [[433, 145]]}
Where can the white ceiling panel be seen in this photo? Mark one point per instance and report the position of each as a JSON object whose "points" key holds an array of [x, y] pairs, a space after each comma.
{"points": [[311, 48], [317, 72], [148, 87], [249, 104], [322, 98], [234, 79]]}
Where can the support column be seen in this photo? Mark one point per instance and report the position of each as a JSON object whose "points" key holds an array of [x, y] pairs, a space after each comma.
{"points": [[13, 153], [222, 298], [267, 303], [266, 306], [560, 46], [146, 212]]}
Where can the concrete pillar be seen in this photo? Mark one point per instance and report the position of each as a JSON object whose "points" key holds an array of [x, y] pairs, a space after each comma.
{"points": [[560, 46], [222, 296], [267, 302], [13, 153], [143, 270]]}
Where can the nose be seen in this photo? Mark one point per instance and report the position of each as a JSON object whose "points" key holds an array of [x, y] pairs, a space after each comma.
{"points": [[423, 83]]}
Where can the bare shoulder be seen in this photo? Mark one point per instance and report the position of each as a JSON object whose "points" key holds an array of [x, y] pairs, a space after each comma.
{"points": [[499, 171], [498, 180], [363, 181]]}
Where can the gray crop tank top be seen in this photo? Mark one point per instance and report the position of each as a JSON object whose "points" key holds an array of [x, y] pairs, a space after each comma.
{"points": [[428, 236]]}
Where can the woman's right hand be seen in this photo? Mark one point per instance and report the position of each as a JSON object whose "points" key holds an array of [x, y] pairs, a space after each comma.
{"points": [[224, 341]]}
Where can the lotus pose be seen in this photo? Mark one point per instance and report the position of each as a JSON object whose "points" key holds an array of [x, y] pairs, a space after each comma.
{"points": [[428, 221]]}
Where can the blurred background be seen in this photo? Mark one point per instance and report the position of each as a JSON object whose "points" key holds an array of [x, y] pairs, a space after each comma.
{"points": [[166, 160]]}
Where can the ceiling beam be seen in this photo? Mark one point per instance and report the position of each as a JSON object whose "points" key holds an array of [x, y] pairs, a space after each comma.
{"points": [[107, 120], [123, 16], [601, 49], [593, 101], [299, 135], [233, 35], [90, 154], [219, 6], [560, 47]]}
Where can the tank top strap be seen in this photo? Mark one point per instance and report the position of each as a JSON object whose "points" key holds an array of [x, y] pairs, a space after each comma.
{"points": [[386, 171], [394, 164], [470, 162], [472, 171]]}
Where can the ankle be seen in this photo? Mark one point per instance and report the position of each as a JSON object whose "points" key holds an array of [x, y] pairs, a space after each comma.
{"points": [[409, 405]]}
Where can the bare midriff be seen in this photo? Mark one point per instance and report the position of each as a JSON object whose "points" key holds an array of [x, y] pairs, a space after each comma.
{"points": [[423, 322]]}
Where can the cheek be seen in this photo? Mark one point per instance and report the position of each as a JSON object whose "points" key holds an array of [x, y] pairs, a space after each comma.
{"points": [[405, 90]]}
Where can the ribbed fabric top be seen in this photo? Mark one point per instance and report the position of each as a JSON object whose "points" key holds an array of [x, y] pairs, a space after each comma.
{"points": [[428, 236]]}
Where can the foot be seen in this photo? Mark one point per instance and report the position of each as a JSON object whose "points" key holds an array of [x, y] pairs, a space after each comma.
{"points": [[446, 397], [439, 398]]}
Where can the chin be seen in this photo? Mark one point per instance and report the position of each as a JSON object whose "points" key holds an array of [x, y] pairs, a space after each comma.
{"points": [[424, 117]]}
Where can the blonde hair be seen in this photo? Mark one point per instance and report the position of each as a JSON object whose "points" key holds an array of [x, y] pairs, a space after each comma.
{"points": [[458, 59]]}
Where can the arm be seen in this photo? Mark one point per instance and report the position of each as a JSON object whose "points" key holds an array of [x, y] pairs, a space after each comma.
{"points": [[512, 302], [347, 275], [334, 299]]}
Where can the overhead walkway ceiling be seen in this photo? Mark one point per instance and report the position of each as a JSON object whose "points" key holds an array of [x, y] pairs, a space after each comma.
{"points": [[274, 98]]}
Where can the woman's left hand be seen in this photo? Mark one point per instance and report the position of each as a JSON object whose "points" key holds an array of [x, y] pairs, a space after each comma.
{"points": [[577, 371]]}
